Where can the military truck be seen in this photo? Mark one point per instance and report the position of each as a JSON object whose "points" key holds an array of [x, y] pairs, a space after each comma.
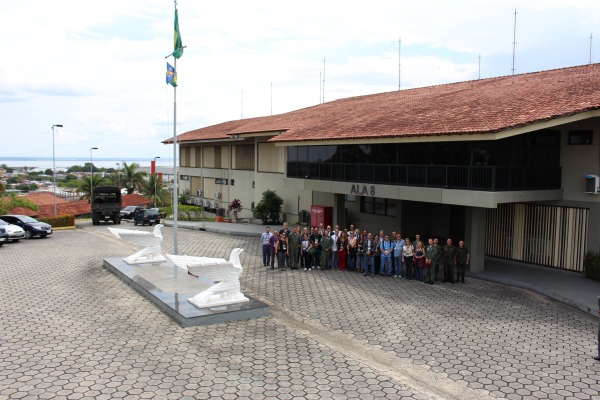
{"points": [[106, 205]]}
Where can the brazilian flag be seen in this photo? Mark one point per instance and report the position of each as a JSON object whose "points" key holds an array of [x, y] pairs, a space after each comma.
{"points": [[177, 46]]}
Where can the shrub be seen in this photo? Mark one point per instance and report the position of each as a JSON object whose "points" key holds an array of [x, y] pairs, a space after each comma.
{"points": [[59, 221], [268, 210], [592, 266]]}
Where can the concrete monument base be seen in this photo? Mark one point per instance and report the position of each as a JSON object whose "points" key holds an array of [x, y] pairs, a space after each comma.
{"points": [[157, 283]]}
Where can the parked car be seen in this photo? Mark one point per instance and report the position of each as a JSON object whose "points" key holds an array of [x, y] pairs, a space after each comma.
{"points": [[3, 236], [13, 232], [146, 216], [31, 226], [127, 212]]}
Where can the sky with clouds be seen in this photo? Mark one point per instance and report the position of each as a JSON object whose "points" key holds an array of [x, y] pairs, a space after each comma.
{"points": [[98, 67]]}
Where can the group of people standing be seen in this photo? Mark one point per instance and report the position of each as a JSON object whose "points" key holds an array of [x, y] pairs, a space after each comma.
{"points": [[362, 251]]}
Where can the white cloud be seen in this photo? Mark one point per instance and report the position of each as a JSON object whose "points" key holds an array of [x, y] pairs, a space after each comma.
{"points": [[99, 67]]}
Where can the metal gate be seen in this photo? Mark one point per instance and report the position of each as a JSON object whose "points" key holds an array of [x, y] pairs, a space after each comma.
{"points": [[538, 234]]}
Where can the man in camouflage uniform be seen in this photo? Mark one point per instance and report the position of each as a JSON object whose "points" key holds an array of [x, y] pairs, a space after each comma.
{"points": [[294, 241], [326, 248], [449, 254], [462, 260], [435, 259], [431, 251]]}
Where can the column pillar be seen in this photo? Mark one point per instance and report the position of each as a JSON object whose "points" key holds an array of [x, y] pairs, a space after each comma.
{"points": [[339, 210], [475, 236]]}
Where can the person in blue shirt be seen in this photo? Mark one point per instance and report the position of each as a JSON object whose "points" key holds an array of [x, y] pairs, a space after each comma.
{"points": [[398, 245], [387, 249]]}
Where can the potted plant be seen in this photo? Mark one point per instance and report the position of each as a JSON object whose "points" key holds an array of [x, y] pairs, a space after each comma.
{"points": [[235, 206]]}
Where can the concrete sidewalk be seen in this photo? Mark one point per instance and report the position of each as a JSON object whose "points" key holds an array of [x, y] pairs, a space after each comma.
{"points": [[568, 287], [224, 228]]}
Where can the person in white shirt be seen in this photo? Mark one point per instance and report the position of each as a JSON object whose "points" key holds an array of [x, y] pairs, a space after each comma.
{"points": [[266, 251]]}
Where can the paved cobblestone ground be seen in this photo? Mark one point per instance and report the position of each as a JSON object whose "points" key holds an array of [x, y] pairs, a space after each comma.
{"points": [[71, 329]]}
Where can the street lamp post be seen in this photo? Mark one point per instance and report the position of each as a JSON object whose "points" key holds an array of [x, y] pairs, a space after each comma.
{"points": [[155, 176], [54, 166], [119, 174], [92, 177]]}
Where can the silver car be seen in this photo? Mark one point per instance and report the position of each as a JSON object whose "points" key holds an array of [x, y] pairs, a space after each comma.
{"points": [[14, 232]]}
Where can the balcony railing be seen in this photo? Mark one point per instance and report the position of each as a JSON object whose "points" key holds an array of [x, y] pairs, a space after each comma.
{"points": [[494, 179]]}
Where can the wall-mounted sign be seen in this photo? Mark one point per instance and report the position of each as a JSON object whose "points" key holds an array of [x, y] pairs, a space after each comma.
{"points": [[362, 190]]}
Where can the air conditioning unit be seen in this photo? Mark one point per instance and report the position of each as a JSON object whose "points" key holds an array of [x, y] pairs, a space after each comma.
{"points": [[200, 193], [213, 205], [592, 184], [217, 195]]}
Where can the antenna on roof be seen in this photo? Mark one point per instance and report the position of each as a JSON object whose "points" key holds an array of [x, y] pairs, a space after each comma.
{"points": [[591, 39], [399, 59], [514, 42], [479, 76], [242, 106], [323, 80], [320, 86]]}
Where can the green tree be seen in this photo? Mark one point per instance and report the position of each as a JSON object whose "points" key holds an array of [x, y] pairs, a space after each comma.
{"points": [[49, 171], [269, 208], [132, 179], [7, 203], [84, 184], [154, 190]]}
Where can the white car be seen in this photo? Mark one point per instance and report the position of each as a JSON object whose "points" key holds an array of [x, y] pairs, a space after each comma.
{"points": [[15, 233]]}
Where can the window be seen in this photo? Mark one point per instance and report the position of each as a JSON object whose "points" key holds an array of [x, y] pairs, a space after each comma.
{"points": [[243, 157], [270, 158], [581, 137], [378, 206]]}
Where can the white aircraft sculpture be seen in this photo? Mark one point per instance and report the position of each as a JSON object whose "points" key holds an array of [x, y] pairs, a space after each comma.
{"points": [[151, 253], [223, 273]]}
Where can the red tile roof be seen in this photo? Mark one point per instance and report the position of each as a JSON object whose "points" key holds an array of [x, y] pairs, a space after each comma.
{"points": [[134, 200], [79, 207], [43, 198], [481, 106]]}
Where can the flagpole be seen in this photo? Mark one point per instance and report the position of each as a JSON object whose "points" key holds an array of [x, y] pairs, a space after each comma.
{"points": [[175, 176]]}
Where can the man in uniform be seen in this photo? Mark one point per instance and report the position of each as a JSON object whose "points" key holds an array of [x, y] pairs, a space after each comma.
{"points": [[435, 258], [294, 242], [462, 260], [287, 232], [326, 248], [449, 253], [431, 251]]}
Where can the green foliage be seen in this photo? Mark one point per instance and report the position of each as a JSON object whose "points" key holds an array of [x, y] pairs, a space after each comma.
{"points": [[186, 213], [154, 190], [268, 210], [7, 203], [49, 171], [592, 266], [27, 187], [132, 179], [84, 184], [59, 221]]}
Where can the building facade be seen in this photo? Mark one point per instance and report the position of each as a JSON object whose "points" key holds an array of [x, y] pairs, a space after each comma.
{"points": [[508, 164]]}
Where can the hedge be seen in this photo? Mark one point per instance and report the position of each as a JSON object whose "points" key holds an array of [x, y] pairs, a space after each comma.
{"points": [[59, 221]]}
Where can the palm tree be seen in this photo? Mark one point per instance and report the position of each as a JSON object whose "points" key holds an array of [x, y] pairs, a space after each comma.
{"points": [[84, 184], [154, 190], [132, 179]]}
